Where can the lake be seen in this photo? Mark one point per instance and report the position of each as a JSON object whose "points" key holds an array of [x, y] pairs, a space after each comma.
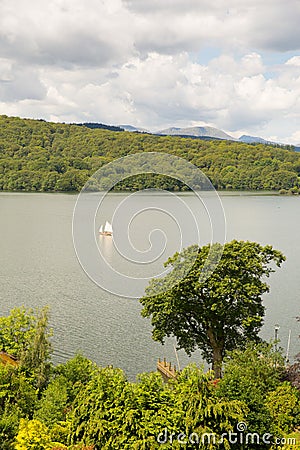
{"points": [[38, 266]]}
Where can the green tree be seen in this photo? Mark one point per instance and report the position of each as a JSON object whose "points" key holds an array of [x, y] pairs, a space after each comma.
{"points": [[36, 359], [17, 399], [220, 313], [250, 374], [112, 413], [52, 407], [284, 408], [34, 435], [203, 411], [75, 374], [25, 334]]}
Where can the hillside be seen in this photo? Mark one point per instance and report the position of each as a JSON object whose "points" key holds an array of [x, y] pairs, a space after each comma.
{"points": [[42, 156]]}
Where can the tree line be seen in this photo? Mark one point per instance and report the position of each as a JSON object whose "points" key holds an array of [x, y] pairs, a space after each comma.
{"points": [[41, 156]]}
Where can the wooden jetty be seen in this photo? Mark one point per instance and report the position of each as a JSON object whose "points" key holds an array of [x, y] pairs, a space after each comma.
{"points": [[5, 358], [166, 369]]}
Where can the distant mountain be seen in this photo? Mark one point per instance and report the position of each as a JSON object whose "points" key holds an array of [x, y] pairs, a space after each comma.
{"points": [[253, 140], [205, 132], [133, 129], [197, 132], [258, 140]]}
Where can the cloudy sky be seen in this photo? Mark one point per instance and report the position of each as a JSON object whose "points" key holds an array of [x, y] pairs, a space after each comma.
{"points": [[233, 64]]}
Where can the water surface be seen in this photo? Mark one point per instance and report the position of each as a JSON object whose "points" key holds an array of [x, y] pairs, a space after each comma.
{"points": [[38, 266]]}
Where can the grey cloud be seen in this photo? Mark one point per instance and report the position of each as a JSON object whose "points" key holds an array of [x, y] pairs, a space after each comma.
{"points": [[76, 49], [72, 50], [64, 34], [150, 6], [273, 25], [22, 84], [172, 26]]}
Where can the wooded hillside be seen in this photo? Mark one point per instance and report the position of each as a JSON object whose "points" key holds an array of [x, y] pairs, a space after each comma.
{"points": [[41, 156]]}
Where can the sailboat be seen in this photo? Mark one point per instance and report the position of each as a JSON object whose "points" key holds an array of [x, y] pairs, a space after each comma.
{"points": [[106, 230]]}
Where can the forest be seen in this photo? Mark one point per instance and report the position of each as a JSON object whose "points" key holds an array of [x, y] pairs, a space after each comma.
{"points": [[41, 156]]}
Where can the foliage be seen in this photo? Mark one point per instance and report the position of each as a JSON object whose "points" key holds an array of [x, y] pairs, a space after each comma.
{"points": [[51, 408], [17, 331], [220, 313], [42, 156], [113, 413], [202, 410], [295, 437], [34, 435], [84, 407], [9, 424], [36, 359], [75, 374], [252, 375], [284, 407], [292, 374], [25, 334], [97, 408], [16, 390]]}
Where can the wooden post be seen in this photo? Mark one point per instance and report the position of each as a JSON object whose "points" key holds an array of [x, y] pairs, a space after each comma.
{"points": [[166, 370]]}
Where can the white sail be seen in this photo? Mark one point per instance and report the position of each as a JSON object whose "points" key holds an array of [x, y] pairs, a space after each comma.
{"points": [[108, 227], [101, 229]]}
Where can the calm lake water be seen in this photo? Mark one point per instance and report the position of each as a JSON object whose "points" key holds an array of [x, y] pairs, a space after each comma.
{"points": [[38, 266]]}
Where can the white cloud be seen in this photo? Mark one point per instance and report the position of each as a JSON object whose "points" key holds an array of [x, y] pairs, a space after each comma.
{"points": [[295, 61], [295, 138]]}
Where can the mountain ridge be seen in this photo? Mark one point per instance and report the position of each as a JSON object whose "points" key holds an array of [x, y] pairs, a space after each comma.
{"points": [[198, 131], [206, 132]]}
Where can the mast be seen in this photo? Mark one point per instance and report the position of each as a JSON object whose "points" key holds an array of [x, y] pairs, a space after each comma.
{"points": [[175, 350], [288, 348]]}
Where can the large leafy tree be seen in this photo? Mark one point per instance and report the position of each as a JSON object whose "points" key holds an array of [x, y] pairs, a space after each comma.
{"points": [[214, 313]]}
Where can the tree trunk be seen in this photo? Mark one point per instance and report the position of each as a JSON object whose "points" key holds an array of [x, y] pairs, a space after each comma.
{"points": [[217, 362], [217, 348]]}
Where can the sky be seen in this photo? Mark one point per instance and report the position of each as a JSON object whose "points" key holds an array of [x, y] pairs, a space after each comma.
{"points": [[231, 64]]}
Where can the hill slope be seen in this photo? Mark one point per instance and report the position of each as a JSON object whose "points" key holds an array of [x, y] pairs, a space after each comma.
{"points": [[40, 156]]}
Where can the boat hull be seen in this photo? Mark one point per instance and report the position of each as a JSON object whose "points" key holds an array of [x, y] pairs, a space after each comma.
{"points": [[105, 233]]}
